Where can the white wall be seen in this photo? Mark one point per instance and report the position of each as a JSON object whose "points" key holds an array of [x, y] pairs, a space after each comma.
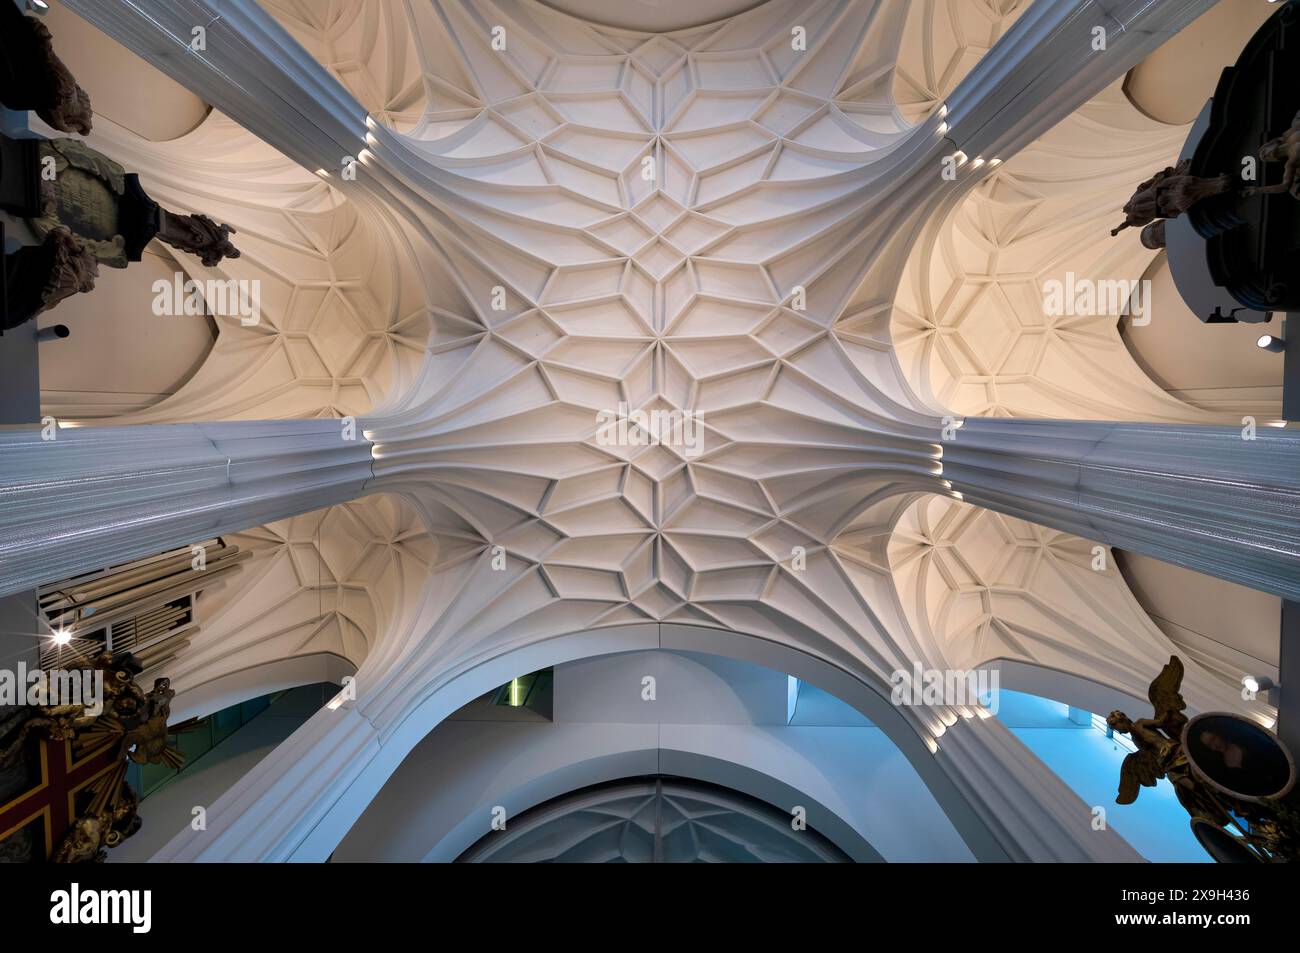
{"points": [[689, 689], [1173, 83], [123, 87], [858, 788], [1215, 366], [121, 357], [1228, 628]]}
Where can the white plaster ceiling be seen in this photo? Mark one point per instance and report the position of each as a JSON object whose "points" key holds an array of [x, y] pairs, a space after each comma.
{"points": [[343, 319], [979, 586], [941, 42], [334, 581], [652, 16], [675, 292], [519, 176], [969, 323]]}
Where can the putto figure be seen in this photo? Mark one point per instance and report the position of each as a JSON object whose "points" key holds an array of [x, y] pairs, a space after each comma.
{"points": [[1285, 148], [32, 77], [1168, 194]]}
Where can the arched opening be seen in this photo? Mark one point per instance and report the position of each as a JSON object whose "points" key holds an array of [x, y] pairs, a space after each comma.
{"points": [[114, 77], [1076, 744], [120, 357], [660, 820], [1173, 83], [709, 718], [1216, 367], [376, 755], [228, 744]]}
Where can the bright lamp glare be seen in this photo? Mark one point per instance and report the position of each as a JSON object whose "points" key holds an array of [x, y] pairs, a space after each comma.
{"points": [[1258, 683]]}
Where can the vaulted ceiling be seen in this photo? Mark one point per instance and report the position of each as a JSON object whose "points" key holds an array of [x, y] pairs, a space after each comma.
{"points": [[667, 222], [694, 221]]}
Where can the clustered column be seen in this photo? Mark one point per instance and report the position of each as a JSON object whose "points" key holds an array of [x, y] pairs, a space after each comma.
{"points": [[79, 499], [1218, 500]]}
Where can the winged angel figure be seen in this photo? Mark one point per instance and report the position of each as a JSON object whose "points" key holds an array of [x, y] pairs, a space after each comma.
{"points": [[1269, 829], [1160, 749]]}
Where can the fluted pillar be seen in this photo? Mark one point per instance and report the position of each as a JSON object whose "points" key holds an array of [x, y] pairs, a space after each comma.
{"points": [[1205, 498], [94, 496], [252, 69], [246, 65], [1035, 816]]}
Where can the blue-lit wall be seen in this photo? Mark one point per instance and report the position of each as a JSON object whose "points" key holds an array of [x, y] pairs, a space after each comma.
{"points": [[1085, 759]]}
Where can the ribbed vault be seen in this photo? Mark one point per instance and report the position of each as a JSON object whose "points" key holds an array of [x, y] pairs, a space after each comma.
{"points": [[710, 221], [978, 586], [942, 40], [335, 581], [970, 325], [343, 316]]}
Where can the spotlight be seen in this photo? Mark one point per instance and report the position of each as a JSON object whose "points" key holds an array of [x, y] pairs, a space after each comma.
{"points": [[38, 6], [1258, 683], [942, 129], [1268, 342], [61, 636]]}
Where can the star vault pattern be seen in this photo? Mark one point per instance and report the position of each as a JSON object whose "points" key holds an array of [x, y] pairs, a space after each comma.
{"points": [[969, 323], [342, 325], [691, 222]]}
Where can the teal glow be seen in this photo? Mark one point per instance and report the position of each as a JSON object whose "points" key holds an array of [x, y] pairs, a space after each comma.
{"points": [[1084, 758]]}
